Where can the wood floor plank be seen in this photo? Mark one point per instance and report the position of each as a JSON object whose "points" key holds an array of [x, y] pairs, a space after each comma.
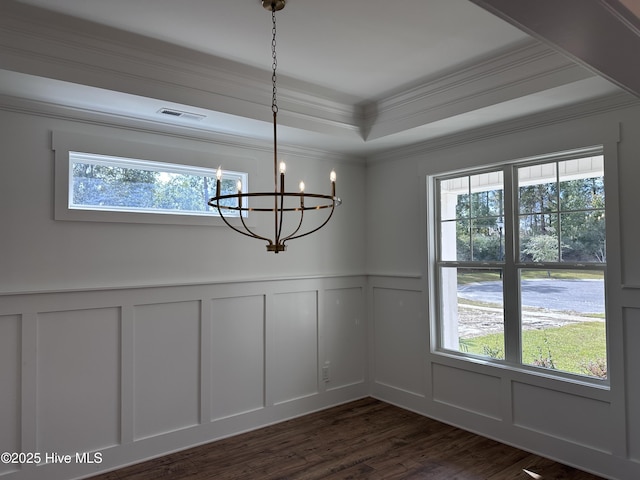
{"points": [[365, 439]]}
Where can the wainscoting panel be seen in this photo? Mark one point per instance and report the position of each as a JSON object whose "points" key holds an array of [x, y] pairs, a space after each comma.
{"points": [[78, 380], [166, 367], [400, 339], [10, 374], [574, 422], [133, 373], [582, 420], [471, 391], [631, 318], [345, 337], [292, 339], [237, 356]]}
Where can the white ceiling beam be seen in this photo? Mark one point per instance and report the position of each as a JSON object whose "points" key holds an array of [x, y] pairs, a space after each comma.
{"points": [[602, 35]]}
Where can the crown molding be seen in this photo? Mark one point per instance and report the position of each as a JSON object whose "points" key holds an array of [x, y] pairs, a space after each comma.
{"points": [[54, 46], [186, 132], [523, 70], [585, 109], [51, 45]]}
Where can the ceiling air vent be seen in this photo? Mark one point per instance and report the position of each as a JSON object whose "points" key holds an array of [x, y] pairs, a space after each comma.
{"points": [[179, 114]]}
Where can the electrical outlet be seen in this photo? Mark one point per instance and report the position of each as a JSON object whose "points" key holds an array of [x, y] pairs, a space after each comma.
{"points": [[325, 373]]}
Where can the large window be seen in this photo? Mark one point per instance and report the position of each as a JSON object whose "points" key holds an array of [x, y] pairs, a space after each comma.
{"points": [[521, 263]]}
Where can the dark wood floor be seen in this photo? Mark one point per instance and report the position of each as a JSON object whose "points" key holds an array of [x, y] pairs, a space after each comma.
{"points": [[366, 439]]}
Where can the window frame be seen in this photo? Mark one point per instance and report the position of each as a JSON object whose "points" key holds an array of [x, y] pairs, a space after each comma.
{"points": [[511, 265], [65, 143]]}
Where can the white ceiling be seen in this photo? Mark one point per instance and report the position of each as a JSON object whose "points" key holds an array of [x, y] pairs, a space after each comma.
{"points": [[372, 56], [363, 48]]}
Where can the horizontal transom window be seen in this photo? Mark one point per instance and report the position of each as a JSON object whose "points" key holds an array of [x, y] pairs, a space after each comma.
{"points": [[116, 184]]}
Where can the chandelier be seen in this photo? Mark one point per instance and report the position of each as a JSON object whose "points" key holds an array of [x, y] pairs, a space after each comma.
{"points": [[278, 202]]}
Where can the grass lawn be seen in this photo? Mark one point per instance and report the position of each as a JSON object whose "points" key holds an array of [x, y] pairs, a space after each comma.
{"points": [[476, 276], [570, 348], [578, 348]]}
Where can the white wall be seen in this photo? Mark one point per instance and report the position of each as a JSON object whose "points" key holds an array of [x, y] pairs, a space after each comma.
{"points": [[48, 254], [596, 429], [133, 340]]}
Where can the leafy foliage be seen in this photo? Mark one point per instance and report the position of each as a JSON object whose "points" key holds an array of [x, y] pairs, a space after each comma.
{"points": [[100, 185], [578, 348], [572, 209], [596, 368], [479, 229], [541, 248], [544, 359], [132, 188]]}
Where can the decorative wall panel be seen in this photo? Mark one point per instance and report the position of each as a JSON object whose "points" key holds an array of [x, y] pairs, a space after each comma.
{"points": [[10, 353], [292, 339], [237, 355], [569, 417], [166, 367], [344, 337], [78, 380], [400, 339], [632, 354], [474, 392]]}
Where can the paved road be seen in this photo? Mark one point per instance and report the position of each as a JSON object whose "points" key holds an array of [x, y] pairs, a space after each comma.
{"points": [[585, 296]]}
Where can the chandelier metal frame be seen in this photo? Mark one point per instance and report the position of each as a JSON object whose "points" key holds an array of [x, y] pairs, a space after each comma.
{"points": [[316, 201]]}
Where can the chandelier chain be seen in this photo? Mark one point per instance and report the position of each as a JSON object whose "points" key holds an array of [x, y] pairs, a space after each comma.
{"points": [[274, 103]]}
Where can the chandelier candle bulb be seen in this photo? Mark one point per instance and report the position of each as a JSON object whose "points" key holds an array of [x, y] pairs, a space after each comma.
{"points": [[218, 178], [283, 168], [332, 177]]}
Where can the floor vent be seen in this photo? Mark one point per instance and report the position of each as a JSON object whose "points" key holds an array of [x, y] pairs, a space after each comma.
{"points": [[179, 114]]}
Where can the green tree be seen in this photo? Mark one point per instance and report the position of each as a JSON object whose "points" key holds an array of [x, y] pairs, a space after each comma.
{"points": [[541, 248], [181, 192], [583, 226], [117, 186], [478, 237]]}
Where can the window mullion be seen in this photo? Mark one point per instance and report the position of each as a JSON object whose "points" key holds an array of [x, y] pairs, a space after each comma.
{"points": [[511, 294]]}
